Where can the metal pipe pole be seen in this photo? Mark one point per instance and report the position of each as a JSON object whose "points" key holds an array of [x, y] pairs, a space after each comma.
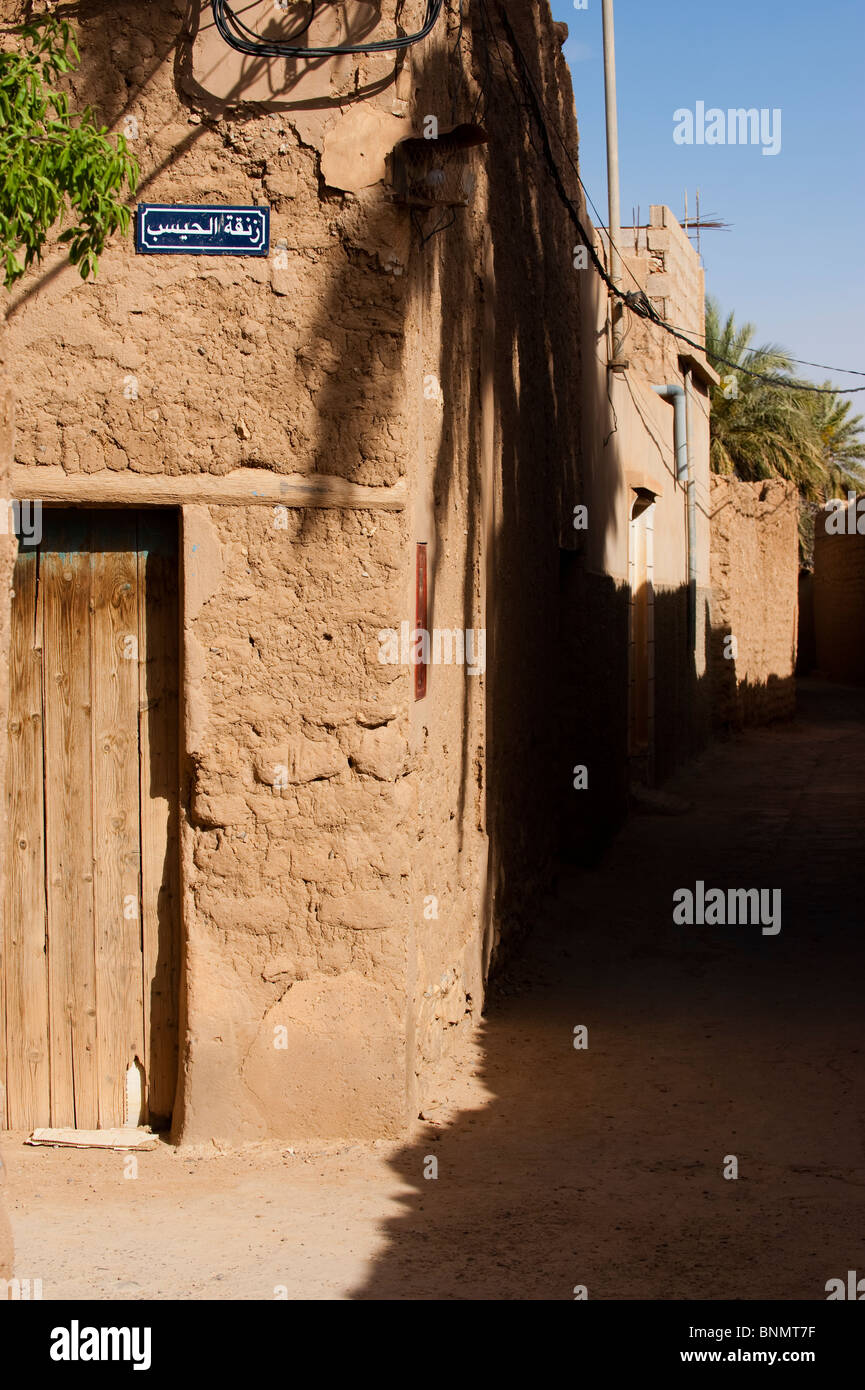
{"points": [[614, 230]]}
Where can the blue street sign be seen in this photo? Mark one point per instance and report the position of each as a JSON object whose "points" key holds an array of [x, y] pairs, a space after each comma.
{"points": [[181, 229]]}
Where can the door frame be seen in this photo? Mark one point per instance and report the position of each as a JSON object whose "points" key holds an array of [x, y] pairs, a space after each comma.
{"points": [[179, 789]]}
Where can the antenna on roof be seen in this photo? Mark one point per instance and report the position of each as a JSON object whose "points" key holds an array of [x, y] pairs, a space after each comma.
{"points": [[695, 226]]}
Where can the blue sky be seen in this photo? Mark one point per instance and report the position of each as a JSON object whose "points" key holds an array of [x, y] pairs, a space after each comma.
{"points": [[793, 262]]}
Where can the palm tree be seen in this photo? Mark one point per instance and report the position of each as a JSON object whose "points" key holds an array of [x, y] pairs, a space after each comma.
{"points": [[760, 429], [841, 441], [769, 426]]}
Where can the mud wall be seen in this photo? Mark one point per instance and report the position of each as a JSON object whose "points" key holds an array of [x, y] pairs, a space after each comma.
{"points": [[754, 604], [839, 595], [499, 451]]}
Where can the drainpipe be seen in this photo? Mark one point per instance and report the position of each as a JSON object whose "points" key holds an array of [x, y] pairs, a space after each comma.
{"points": [[614, 229], [685, 474], [692, 521]]}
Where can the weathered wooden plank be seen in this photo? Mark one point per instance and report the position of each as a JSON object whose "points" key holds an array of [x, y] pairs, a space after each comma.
{"points": [[116, 839], [65, 572], [119, 1139], [159, 744], [25, 963], [241, 487]]}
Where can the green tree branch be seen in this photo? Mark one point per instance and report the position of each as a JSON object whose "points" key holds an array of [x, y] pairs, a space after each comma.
{"points": [[55, 164]]}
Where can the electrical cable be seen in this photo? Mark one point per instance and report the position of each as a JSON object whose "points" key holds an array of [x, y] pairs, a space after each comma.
{"points": [[238, 35], [636, 300], [483, 80], [800, 362]]}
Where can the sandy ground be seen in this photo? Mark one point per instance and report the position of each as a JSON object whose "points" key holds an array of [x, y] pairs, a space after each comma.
{"points": [[560, 1167]]}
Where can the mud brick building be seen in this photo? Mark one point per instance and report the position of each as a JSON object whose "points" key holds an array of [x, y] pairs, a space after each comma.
{"points": [[252, 860]]}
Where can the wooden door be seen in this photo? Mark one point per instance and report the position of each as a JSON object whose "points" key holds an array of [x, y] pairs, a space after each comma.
{"points": [[89, 969]]}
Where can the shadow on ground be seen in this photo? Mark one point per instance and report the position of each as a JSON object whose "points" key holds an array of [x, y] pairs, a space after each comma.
{"points": [[604, 1167]]}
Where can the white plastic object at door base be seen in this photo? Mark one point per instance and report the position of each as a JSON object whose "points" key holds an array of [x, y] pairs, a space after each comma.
{"points": [[133, 1109]]}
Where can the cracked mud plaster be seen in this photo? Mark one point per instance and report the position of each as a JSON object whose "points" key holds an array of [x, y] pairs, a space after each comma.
{"points": [[319, 805]]}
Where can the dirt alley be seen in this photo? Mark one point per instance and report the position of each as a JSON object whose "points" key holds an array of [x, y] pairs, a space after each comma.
{"points": [[557, 1167]]}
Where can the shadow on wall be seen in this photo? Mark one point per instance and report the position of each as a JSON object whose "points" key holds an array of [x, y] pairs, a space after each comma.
{"points": [[738, 702], [279, 84], [362, 388], [551, 623], [595, 701], [138, 50], [538, 425], [116, 89], [806, 645], [594, 708], [159, 543], [839, 598], [530, 374]]}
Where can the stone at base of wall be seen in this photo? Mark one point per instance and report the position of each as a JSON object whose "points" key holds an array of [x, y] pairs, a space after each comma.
{"points": [[354, 1062], [327, 1062]]}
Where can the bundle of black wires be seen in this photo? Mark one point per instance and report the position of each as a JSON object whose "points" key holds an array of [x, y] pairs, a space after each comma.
{"points": [[246, 40]]}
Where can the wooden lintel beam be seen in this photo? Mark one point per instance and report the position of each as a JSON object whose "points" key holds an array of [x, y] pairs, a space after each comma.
{"points": [[242, 487]]}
